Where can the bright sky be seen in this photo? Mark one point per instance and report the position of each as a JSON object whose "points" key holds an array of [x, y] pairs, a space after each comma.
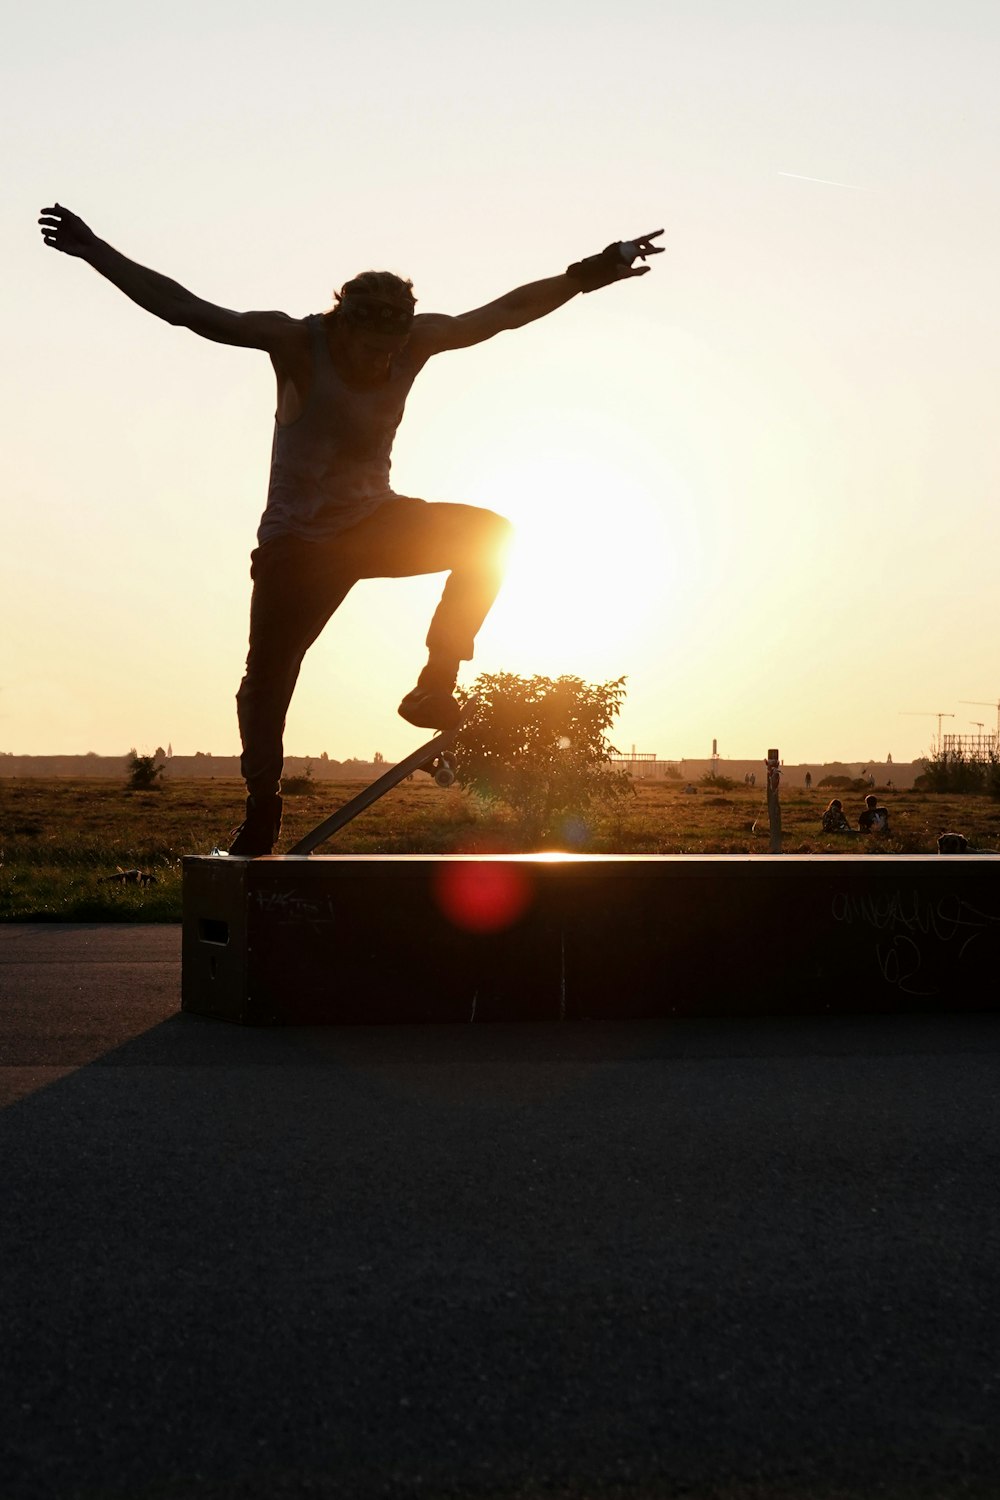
{"points": [[761, 481]]}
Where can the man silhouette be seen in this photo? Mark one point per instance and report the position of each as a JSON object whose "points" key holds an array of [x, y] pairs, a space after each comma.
{"points": [[331, 516], [874, 818]]}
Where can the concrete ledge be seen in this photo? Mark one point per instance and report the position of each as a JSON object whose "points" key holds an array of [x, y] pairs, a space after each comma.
{"points": [[366, 938]]}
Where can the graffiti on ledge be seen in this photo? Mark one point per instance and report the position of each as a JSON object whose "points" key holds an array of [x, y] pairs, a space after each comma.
{"points": [[914, 928]]}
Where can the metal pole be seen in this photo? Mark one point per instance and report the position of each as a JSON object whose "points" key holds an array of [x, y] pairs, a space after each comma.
{"points": [[773, 802]]}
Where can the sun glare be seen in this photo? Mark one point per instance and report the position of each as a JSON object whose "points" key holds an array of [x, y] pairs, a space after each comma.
{"points": [[595, 583]]}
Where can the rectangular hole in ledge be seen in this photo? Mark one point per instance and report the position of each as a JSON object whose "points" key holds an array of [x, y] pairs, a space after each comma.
{"points": [[212, 931]]}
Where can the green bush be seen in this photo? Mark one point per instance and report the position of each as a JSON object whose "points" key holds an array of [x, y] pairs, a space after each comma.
{"points": [[947, 772], [299, 786], [144, 773], [538, 746]]}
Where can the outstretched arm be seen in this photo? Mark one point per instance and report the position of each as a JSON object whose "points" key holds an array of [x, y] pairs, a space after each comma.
{"points": [[434, 332], [159, 295]]}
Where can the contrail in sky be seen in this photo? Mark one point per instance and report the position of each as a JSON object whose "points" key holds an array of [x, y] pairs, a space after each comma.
{"points": [[799, 177]]}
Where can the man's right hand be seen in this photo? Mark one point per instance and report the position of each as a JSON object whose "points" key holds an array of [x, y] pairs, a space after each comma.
{"points": [[285, 339], [67, 232]]}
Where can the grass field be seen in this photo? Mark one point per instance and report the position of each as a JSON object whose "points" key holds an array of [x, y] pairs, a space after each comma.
{"points": [[63, 842]]}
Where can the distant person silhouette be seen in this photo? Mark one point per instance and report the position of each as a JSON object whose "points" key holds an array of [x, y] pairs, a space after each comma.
{"points": [[874, 819], [331, 517], [835, 819]]}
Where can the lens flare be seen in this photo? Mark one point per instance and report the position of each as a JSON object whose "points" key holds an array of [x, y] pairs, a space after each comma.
{"points": [[481, 897]]}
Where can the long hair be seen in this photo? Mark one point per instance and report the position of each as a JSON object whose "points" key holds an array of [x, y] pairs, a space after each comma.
{"points": [[384, 285]]}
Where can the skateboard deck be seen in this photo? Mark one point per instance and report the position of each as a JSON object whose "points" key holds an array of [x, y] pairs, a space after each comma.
{"points": [[433, 757]]}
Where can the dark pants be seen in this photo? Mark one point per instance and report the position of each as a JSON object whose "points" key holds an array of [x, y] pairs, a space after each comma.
{"points": [[297, 585]]}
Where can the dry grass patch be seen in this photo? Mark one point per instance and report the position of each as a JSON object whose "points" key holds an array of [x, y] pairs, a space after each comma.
{"points": [[63, 842]]}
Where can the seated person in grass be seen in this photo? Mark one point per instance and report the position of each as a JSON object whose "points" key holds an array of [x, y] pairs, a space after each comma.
{"points": [[874, 819], [834, 819]]}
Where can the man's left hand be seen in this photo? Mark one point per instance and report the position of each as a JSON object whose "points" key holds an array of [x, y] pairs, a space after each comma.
{"points": [[615, 262], [637, 249]]}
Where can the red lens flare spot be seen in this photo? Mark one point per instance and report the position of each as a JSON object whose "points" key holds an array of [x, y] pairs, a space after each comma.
{"points": [[482, 897]]}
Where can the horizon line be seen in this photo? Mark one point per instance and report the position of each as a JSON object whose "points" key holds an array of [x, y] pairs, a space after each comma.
{"points": [[639, 757]]}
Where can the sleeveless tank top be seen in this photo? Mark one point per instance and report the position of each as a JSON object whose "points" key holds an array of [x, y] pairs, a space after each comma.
{"points": [[330, 467]]}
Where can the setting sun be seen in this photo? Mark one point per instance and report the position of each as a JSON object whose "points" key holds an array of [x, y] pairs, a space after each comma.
{"points": [[746, 481], [593, 569]]}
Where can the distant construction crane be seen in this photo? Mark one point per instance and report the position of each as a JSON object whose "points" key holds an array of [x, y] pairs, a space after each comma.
{"points": [[981, 703], [927, 714]]}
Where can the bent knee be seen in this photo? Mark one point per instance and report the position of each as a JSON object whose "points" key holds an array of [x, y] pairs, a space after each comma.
{"points": [[478, 536], [496, 531]]}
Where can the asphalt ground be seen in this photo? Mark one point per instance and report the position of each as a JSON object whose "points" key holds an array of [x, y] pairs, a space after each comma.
{"points": [[706, 1259]]}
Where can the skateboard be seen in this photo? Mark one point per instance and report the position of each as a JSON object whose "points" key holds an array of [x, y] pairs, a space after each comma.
{"points": [[436, 758]]}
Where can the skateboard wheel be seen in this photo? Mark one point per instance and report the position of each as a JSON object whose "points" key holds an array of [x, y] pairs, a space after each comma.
{"points": [[444, 776]]}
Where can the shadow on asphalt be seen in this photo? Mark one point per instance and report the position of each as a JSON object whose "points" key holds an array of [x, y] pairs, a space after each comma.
{"points": [[749, 1258]]}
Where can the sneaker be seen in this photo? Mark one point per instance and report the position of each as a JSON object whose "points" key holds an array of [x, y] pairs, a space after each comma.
{"points": [[258, 834], [430, 708]]}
